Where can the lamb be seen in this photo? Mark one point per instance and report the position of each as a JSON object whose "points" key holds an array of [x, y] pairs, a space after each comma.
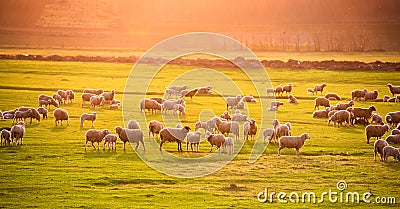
{"points": [[216, 140], [70, 96], [43, 111], [270, 90], [332, 95], [180, 108], [90, 117], [371, 96], [95, 136], [110, 139], [292, 99], [60, 115], [249, 98], [226, 116], [358, 94], [375, 131], [280, 130], [155, 127], [193, 139], [169, 104], [344, 106], [339, 117], [18, 132], [57, 97], [320, 88], [204, 90], [376, 119], [268, 133], [149, 104], [63, 94], [393, 139], [232, 101], [393, 118], [225, 127], [239, 117], [296, 142], [109, 96], [158, 99], [228, 145], [363, 112], [391, 151], [250, 128], [131, 135], [190, 93], [279, 90], [86, 97], [320, 101], [21, 115], [93, 91], [96, 101], [378, 148], [5, 134], [173, 135], [320, 114], [393, 89], [310, 90], [199, 125]]}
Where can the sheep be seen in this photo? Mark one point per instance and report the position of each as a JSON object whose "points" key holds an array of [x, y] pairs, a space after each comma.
{"points": [[310, 90], [115, 101], [331, 113], [280, 130], [332, 95], [133, 124], [393, 118], [96, 101], [250, 128], [45, 103], [249, 98], [339, 117], [279, 90], [226, 116], [371, 96], [190, 93], [180, 108], [47, 98], [8, 116], [170, 93], [18, 132], [344, 106], [268, 133], [365, 113], [393, 139], [115, 106], [21, 115], [225, 127], [58, 98], [211, 126], [276, 104], [155, 127], [60, 115], [240, 105], [320, 101], [320, 88], [158, 99], [95, 136], [358, 94], [193, 138], [292, 99], [232, 101], [397, 99], [385, 98], [169, 105], [270, 90], [376, 119], [376, 131], [43, 111], [63, 94], [110, 139], [395, 132], [239, 117], [178, 88], [131, 135], [109, 96], [393, 89], [204, 90], [93, 91], [86, 97], [199, 125], [5, 134], [287, 88], [320, 114], [34, 114], [274, 108], [70, 96], [216, 140], [149, 104], [90, 117], [296, 142], [378, 148], [228, 145], [391, 151], [173, 135]]}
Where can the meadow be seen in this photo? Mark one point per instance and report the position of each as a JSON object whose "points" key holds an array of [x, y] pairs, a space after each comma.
{"points": [[52, 169]]}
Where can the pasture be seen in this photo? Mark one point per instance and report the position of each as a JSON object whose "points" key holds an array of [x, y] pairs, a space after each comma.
{"points": [[52, 169]]}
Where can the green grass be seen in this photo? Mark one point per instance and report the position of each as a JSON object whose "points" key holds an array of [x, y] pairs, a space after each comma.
{"points": [[53, 170]]}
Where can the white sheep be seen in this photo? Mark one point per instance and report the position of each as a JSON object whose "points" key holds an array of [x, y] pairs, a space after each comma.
{"points": [[268, 133], [295, 142], [90, 117], [133, 124], [199, 125], [193, 139], [18, 132], [96, 101], [169, 105], [240, 105], [131, 135], [149, 104], [110, 139], [239, 117], [109, 96], [180, 108], [232, 101], [270, 91], [228, 145], [155, 127]]}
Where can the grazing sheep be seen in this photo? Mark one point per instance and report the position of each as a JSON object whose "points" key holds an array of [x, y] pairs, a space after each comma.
{"points": [[90, 117], [228, 145], [393, 118], [63, 94], [344, 106], [173, 135], [95, 136], [169, 105], [287, 88], [340, 117], [320, 101], [131, 135], [109, 96], [171, 92], [376, 119], [18, 132], [149, 104], [296, 142], [34, 114], [93, 91], [96, 101], [155, 127], [391, 151], [239, 117], [110, 139], [193, 139], [60, 115], [250, 129], [332, 95], [21, 115], [204, 90], [371, 96], [320, 114], [180, 108], [249, 98], [393, 139], [268, 133], [270, 91], [395, 132], [43, 111], [190, 93], [226, 116], [225, 127], [211, 126], [358, 94], [320, 88], [280, 130], [217, 140], [6, 135], [49, 99], [56, 97], [232, 101], [292, 99], [310, 90], [86, 97], [279, 90], [70, 96], [240, 105], [158, 99], [393, 89], [378, 148], [364, 113], [376, 131]]}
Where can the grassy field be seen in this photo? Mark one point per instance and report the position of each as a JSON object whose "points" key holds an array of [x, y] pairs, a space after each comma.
{"points": [[52, 170]]}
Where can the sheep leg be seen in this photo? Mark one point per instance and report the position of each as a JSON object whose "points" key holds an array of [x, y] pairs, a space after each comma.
{"points": [[137, 145], [124, 145], [98, 145], [297, 152], [161, 143], [144, 147], [211, 148], [92, 123], [279, 151]]}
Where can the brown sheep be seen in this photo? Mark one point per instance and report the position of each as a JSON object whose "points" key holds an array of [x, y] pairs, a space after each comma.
{"points": [[173, 135], [391, 151], [86, 97], [358, 94], [158, 99], [149, 104], [320, 88], [320, 101], [93, 91], [279, 90], [249, 98], [250, 129], [225, 127], [43, 112], [377, 119], [216, 140], [58, 98], [371, 96], [226, 116], [320, 114], [64, 95], [95, 136], [378, 148], [296, 142], [393, 118], [190, 93], [70, 96], [393, 89], [395, 132], [280, 130], [60, 115], [364, 113], [332, 95], [6, 135], [96, 101], [339, 117], [110, 139], [204, 90], [344, 106], [18, 132], [292, 99], [393, 139], [155, 127], [375, 131], [21, 115], [287, 88], [109, 96]]}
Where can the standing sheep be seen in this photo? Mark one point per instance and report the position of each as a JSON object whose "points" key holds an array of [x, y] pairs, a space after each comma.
{"points": [[240, 105], [190, 94], [393, 139], [393, 118], [204, 90], [376, 131], [149, 104], [169, 105], [320, 88], [131, 135], [296, 142], [110, 139], [378, 148], [180, 108], [232, 101], [43, 111], [339, 117], [109, 96], [96, 101], [158, 99], [49, 100], [270, 91], [60, 115], [199, 125], [93, 91], [86, 98], [225, 127], [70, 96], [21, 115], [95, 136], [344, 106], [377, 119], [393, 89], [310, 90], [90, 117], [193, 139], [320, 101], [250, 128], [371, 96], [173, 135], [287, 88], [226, 116], [268, 133], [18, 132], [56, 97], [228, 145], [279, 90], [364, 113], [6, 135], [358, 94], [332, 95], [155, 127], [280, 130], [133, 124], [215, 140], [391, 151]]}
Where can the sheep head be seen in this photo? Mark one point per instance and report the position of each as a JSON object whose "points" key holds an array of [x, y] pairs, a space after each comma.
{"points": [[389, 85], [372, 107], [105, 132], [187, 128], [208, 134], [118, 129]]}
